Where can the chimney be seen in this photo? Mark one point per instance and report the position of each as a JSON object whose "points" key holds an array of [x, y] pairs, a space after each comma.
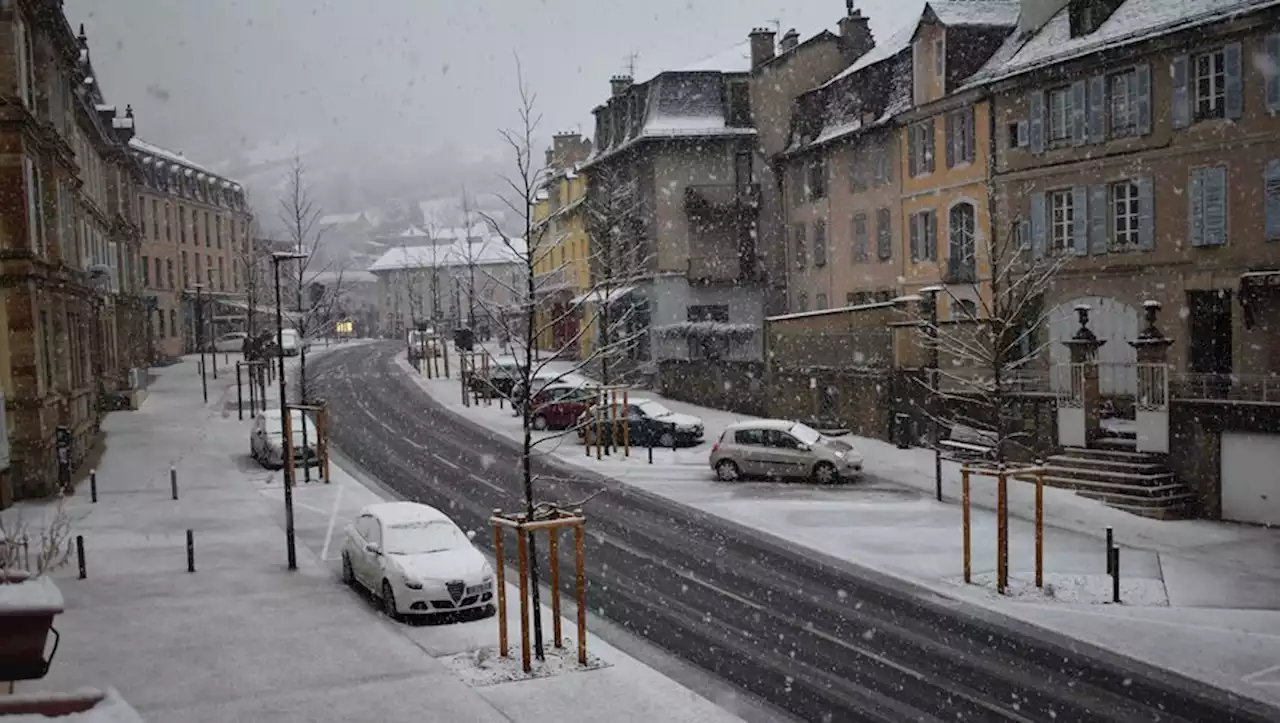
{"points": [[761, 46], [855, 35], [1033, 14], [618, 84], [790, 40], [567, 150]]}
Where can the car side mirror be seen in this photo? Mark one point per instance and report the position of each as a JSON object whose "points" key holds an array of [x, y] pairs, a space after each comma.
{"points": [[373, 547], [471, 534]]}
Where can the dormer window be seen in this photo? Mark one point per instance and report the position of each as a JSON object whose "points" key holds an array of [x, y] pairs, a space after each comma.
{"points": [[1087, 16]]}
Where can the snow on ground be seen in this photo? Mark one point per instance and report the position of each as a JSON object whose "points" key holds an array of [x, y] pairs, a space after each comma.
{"points": [[485, 666], [1074, 589]]}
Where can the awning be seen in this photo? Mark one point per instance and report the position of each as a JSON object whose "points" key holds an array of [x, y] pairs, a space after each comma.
{"points": [[598, 295]]}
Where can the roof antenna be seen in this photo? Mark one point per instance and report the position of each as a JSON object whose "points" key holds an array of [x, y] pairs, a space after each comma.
{"points": [[777, 25], [631, 63]]}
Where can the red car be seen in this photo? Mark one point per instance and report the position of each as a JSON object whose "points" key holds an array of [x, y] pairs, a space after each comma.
{"points": [[558, 406]]}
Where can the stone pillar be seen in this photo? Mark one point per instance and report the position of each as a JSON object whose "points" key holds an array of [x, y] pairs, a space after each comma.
{"points": [[1151, 345], [1084, 346]]}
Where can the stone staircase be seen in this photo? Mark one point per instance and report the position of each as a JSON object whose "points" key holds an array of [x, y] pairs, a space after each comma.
{"points": [[1113, 472]]}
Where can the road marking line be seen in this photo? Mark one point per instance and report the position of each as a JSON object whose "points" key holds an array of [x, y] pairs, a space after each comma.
{"points": [[438, 458], [487, 483], [333, 518], [1253, 677]]}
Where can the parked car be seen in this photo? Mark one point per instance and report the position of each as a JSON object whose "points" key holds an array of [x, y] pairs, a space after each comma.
{"points": [[266, 440], [649, 424], [501, 378], [422, 343], [292, 343], [416, 561], [558, 406], [777, 448], [232, 342]]}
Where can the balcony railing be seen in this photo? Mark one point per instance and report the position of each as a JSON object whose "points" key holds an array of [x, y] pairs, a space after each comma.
{"points": [[1264, 388], [722, 269], [553, 280], [722, 198]]}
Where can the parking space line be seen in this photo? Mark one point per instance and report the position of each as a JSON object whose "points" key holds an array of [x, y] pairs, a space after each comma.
{"points": [[438, 458], [333, 518]]}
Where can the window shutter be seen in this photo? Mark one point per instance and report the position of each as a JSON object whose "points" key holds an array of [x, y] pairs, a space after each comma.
{"points": [[884, 235], [1097, 109], [1078, 115], [1036, 122], [1080, 220], [913, 160], [1099, 216], [1038, 241], [1273, 73], [1215, 205], [1181, 106], [915, 237], [951, 139], [1141, 97], [1271, 185], [1024, 134], [890, 152], [929, 155], [968, 135], [1146, 213], [931, 238], [1024, 235], [1233, 90]]}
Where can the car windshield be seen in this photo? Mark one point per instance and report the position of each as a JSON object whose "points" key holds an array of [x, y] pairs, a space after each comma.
{"points": [[806, 435], [653, 409], [421, 538], [298, 421]]}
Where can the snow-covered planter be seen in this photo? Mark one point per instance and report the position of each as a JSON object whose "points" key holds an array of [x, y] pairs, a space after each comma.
{"points": [[27, 608], [82, 706], [706, 329]]}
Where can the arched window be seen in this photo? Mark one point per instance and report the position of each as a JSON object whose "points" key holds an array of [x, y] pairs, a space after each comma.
{"points": [[960, 236]]}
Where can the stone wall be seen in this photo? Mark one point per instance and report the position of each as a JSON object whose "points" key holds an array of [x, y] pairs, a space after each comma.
{"points": [[736, 386]]}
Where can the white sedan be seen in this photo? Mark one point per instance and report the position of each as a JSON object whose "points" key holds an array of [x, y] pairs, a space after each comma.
{"points": [[416, 561], [266, 439], [233, 342]]}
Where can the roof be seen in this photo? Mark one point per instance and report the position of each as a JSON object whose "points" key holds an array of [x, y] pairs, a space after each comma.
{"points": [[824, 312], [486, 250], [338, 219], [399, 513], [782, 424], [140, 145], [734, 59], [982, 13], [1133, 21]]}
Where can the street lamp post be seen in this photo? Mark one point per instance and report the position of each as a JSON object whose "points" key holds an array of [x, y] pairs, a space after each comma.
{"points": [[199, 334], [291, 547]]}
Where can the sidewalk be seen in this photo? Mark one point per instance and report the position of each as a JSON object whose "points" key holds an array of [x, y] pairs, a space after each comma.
{"points": [[1198, 597], [242, 638]]}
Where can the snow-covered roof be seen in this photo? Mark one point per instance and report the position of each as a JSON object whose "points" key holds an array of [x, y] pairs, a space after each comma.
{"points": [[599, 295], [483, 251], [339, 219], [105, 108], [992, 13], [140, 145], [897, 43], [734, 59], [824, 312], [1133, 21]]}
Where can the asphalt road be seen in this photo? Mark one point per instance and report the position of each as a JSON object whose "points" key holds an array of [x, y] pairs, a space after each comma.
{"points": [[823, 640]]}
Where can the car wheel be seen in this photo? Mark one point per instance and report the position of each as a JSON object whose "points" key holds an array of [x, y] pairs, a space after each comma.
{"points": [[540, 423], [389, 601], [825, 473], [667, 439], [348, 575], [727, 471]]}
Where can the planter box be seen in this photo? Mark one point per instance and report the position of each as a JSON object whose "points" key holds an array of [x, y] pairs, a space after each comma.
{"points": [[85, 706], [27, 608]]}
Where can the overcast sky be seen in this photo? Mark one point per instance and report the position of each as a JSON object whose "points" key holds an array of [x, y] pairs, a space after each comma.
{"points": [[401, 76]]}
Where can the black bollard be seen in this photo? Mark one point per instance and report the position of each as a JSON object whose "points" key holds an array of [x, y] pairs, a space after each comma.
{"points": [[173, 481], [191, 551], [1115, 574], [1110, 545], [93, 485], [651, 451], [80, 556], [239, 395]]}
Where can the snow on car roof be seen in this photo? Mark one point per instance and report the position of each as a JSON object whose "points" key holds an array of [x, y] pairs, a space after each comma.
{"points": [[396, 513], [783, 424]]}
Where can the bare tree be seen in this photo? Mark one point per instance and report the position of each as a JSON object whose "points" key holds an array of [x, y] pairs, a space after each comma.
{"points": [[255, 265], [469, 257], [612, 212], [314, 302], [984, 356]]}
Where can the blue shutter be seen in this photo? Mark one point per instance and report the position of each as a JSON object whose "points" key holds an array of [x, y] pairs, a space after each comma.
{"points": [[1142, 97], [1215, 205], [1271, 189], [1181, 105], [1079, 104], [969, 136], [1024, 235], [1038, 241], [933, 235], [1097, 109], [1233, 87], [913, 159], [914, 222], [1098, 219], [1195, 220], [951, 119], [1273, 73], [1036, 121], [1080, 220], [930, 133], [1146, 213]]}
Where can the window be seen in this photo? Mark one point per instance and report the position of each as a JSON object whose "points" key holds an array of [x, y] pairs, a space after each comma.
{"points": [[884, 234], [924, 236], [1209, 83], [1209, 206], [182, 223], [195, 228], [208, 241], [1062, 220], [1271, 185], [739, 105], [820, 302], [816, 182], [168, 263], [802, 302], [861, 242], [35, 207], [819, 243], [160, 323], [798, 235], [173, 322], [46, 349], [753, 437], [1124, 213], [920, 148], [198, 280], [222, 280], [208, 270], [186, 278], [960, 243], [217, 223], [966, 309], [1122, 96], [882, 165], [1060, 110], [959, 137], [146, 271]]}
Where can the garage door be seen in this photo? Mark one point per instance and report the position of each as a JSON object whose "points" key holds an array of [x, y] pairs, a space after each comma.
{"points": [[1250, 485]]}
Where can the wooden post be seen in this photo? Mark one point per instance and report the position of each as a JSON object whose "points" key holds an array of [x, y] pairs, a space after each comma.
{"points": [[462, 377], [522, 548], [499, 569], [964, 486], [1040, 528], [613, 421], [599, 414], [579, 543], [553, 549], [484, 365], [322, 431], [1002, 531], [626, 423], [444, 352]]}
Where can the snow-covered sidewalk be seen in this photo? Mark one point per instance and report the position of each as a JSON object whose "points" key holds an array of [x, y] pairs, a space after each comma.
{"points": [[243, 638], [1199, 597]]}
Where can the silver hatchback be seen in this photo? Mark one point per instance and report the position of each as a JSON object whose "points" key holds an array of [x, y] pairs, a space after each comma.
{"points": [[777, 448]]}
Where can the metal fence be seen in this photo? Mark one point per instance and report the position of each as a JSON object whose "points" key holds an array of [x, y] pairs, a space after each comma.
{"points": [[1233, 387]]}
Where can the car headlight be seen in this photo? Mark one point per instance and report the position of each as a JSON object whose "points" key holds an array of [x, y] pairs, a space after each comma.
{"points": [[413, 584]]}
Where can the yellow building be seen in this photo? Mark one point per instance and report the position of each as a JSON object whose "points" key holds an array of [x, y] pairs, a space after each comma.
{"points": [[945, 143], [561, 251]]}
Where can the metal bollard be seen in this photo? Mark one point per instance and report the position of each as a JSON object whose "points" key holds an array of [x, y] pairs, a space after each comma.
{"points": [[80, 556], [1115, 574], [1110, 545], [650, 452], [173, 481], [93, 485], [191, 551]]}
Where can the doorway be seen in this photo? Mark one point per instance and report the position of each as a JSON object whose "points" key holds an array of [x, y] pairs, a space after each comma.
{"points": [[1210, 331]]}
